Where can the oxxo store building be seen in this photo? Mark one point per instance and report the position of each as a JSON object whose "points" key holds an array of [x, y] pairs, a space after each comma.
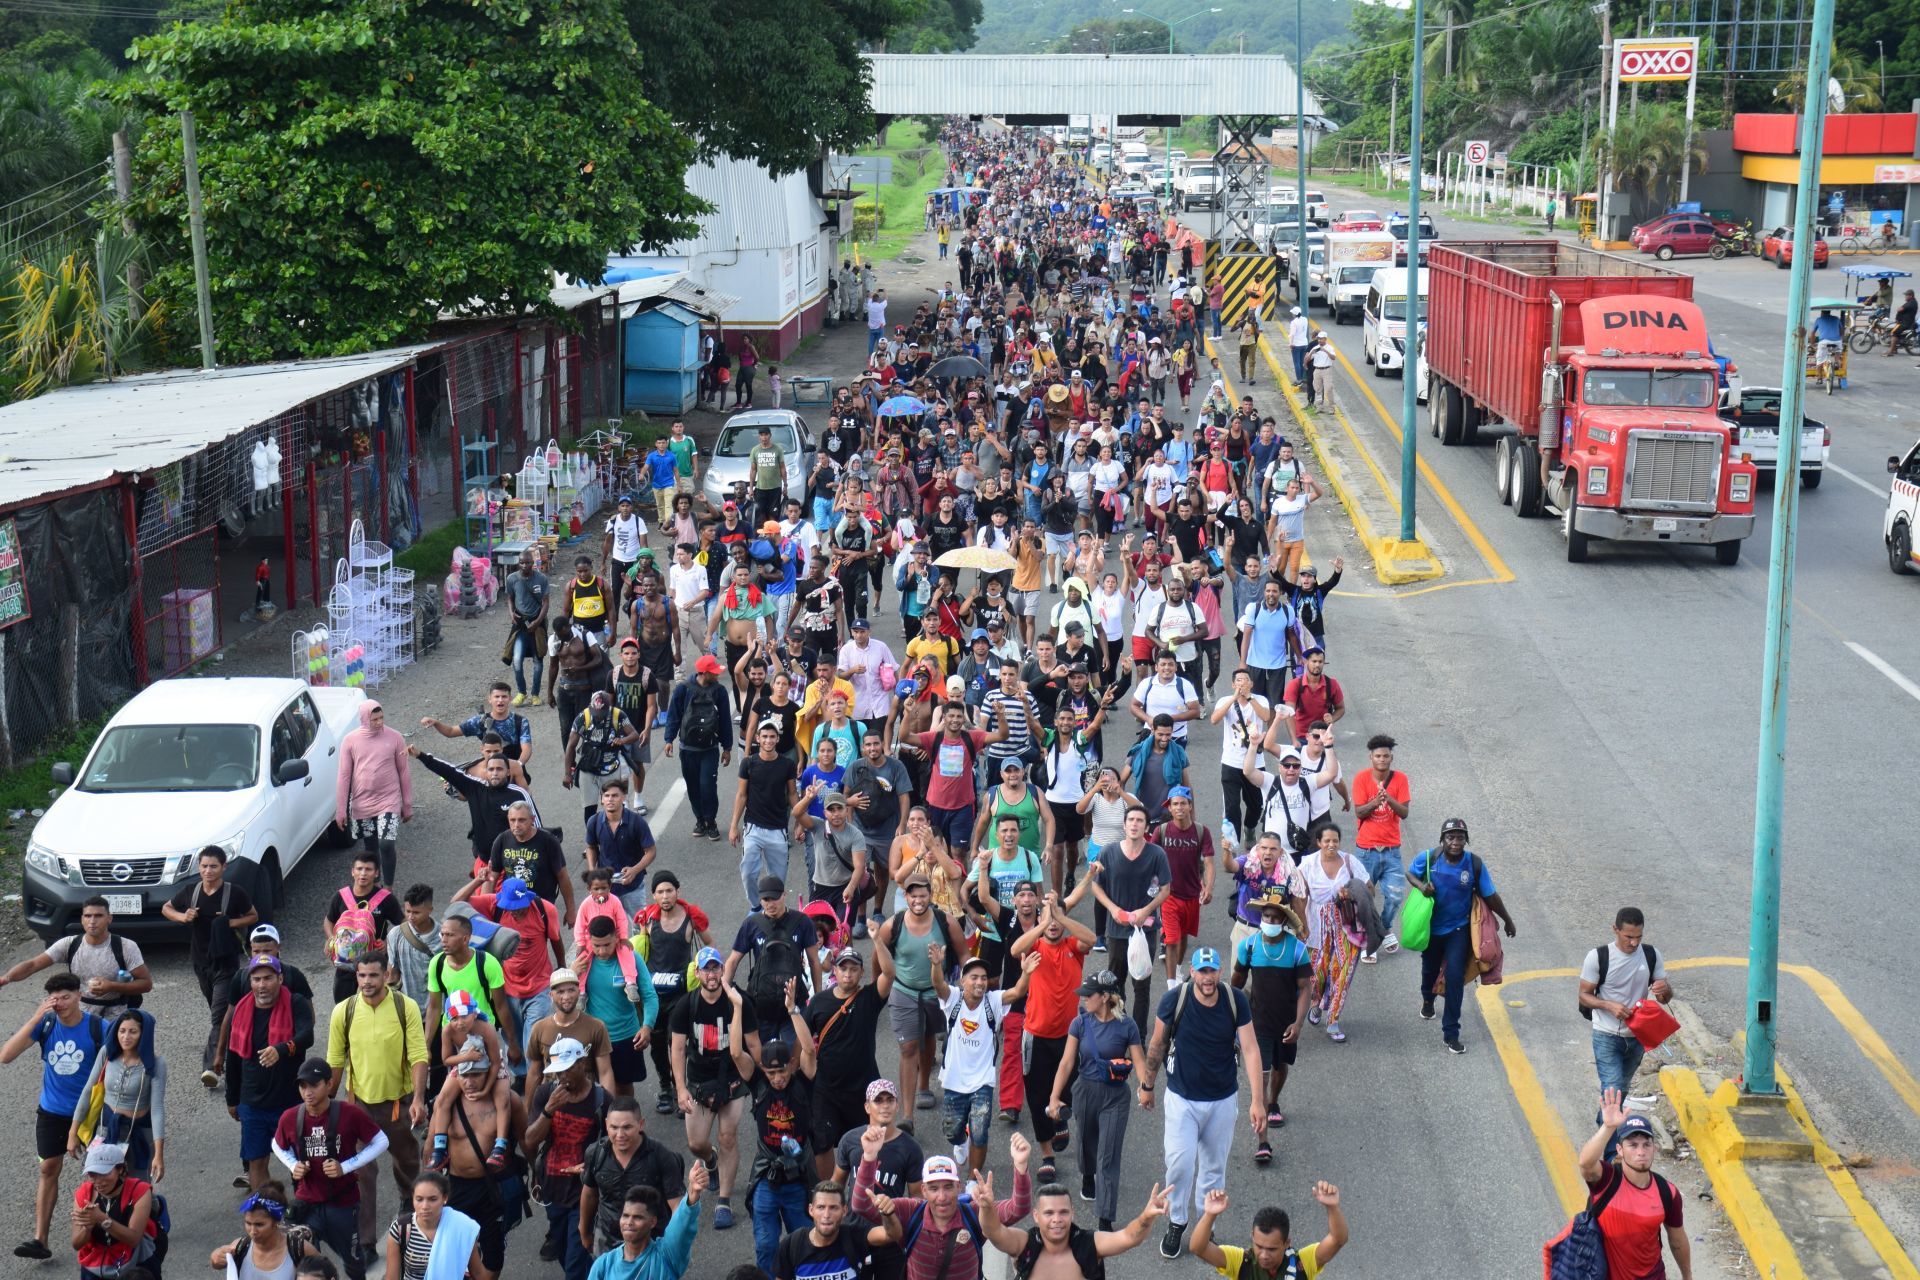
{"points": [[1868, 160]]}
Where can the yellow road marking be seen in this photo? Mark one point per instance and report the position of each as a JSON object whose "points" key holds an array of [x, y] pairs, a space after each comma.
{"points": [[1549, 1134], [1865, 1217], [1767, 1245]]}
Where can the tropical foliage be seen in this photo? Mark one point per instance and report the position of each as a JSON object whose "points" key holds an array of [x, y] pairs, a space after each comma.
{"points": [[1644, 151]]}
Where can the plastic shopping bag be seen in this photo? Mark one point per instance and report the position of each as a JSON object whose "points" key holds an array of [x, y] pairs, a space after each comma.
{"points": [[1139, 955]]}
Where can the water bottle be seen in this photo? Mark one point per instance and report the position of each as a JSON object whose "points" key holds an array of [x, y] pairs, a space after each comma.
{"points": [[1228, 836], [789, 1146], [123, 976]]}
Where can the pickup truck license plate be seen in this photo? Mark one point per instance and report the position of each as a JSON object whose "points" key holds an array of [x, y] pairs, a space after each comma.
{"points": [[125, 904], [1665, 526]]}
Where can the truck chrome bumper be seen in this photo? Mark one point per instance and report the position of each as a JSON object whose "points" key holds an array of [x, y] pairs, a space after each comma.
{"points": [[1621, 526]]}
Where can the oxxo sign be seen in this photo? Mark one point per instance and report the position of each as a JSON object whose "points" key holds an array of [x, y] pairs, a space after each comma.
{"points": [[1649, 60]]}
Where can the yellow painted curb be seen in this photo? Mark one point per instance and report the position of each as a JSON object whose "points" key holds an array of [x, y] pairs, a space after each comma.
{"points": [[1706, 1125], [1865, 1217]]}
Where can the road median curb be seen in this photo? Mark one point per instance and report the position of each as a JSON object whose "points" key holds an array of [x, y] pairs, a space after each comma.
{"points": [[1780, 1183], [1395, 563]]}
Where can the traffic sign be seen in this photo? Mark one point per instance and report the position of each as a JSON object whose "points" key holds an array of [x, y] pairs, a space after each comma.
{"points": [[1477, 152]]}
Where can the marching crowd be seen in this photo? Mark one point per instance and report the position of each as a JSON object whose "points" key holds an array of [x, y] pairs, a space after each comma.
{"points": [[983, 838]]}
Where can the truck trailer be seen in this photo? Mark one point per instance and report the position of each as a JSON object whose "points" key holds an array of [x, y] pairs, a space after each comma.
{"points": [[1599, 366]]}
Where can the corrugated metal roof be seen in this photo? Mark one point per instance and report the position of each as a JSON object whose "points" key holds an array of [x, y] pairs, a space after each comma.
{"points": [[912, 84], [753, 210], [677, 288], [81, 436]]}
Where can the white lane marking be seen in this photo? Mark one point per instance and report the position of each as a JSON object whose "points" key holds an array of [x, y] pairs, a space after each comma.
{"points": [[1885, 668], [1877, 490], [669, 805]]}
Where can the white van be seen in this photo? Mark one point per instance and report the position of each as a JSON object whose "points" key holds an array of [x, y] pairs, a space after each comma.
{"points": [[1383, 319], [1903, 511]]}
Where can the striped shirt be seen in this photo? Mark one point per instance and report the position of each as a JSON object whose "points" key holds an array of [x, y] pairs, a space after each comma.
{"points": [[923, 1263]]}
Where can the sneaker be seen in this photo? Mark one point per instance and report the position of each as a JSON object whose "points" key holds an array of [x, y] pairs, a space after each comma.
{"points": [[1390, 943], [1170, 1242], [210, 1078], [1426, 1008], [1053, 588], [1062, 1139], [723, 1216], [1454, 1046], [32, 1249], [1009, 1116], [520, 700], [664, 1104], [1100, 944], [860, 928], [240, 1182], [1263, 1154], [1173, 984], [1086, 1187], [549, 1250]]}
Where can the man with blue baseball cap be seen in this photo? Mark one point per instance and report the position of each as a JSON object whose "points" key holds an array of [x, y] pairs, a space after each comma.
{"points": [[1199, 1023], [1631, 1203]]}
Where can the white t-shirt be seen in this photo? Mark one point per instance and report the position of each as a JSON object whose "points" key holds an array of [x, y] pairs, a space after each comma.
{"points": [[876, 313], [1156, 698], [1180, 619], [1283, 802], [1627, 982], [1322, 796], [1146, 605], [687, 582], [1239, 729], [973, 1058], [1109, 476], [627, 532], [1310, 881], [1160, 481], [1289, 516], [1111, 609]]}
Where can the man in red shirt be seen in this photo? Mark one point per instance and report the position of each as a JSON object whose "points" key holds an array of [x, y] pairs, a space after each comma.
{"points": [[950, 752], [1381, 796], [1314, 695], [1189, 849], [1633, 1202], [324, 1142], [529, 970]]}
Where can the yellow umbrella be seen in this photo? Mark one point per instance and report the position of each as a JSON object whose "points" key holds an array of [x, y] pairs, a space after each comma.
{"points": [[985, 559]]}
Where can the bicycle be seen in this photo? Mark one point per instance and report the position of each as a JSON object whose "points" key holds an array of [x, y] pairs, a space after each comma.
{"points": [[1823, 366], [1852, 241]]}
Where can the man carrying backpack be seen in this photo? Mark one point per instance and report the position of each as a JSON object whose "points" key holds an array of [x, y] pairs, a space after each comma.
{"points": [[941, 1234], [1628, 1201], [1271, 1255], [784, 947], [376, 1047], [1453, 878], [596, 747], [70, 1039], [1613, 979], [974, 1016], [700, 717], [113, 974], [325, 1143], [357, 920]]}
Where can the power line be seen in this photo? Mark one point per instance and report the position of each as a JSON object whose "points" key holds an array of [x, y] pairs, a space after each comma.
{"points": [[76, 205], [92, 171]]}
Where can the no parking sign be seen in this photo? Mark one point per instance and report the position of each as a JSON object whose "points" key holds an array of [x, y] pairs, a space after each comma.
{"points": [[1477, 152]]}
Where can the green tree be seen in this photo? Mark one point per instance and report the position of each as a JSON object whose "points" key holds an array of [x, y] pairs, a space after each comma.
{"points": [[1859, 84], [1644, 150], [371, 164], [937, 26], [1113, 35], [768, 80], [56, 131]]}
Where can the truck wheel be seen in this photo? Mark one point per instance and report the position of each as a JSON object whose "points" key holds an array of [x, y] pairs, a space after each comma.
{"points": [[1811, 479], [1577, 541], [1503, 469], [1471, 416], [1727, 552], [1900, 550], [1529, 495], [1452, 415], [1436, 404]]}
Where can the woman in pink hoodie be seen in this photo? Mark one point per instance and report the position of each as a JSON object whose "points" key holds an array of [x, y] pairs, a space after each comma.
{"points": [[374, 789]]}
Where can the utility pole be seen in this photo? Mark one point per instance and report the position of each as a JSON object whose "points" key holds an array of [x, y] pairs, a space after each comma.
{"points": [[1393, 121], [1608, 89], [123, 192], [1409, 431], [197, 228], [1763, 936], [1303, 296]]}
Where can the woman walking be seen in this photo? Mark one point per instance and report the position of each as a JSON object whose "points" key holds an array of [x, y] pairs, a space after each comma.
{"points": [[434, 1237], [269, 1249], [1324, 879], [1102, 1050], [133, 1113]]}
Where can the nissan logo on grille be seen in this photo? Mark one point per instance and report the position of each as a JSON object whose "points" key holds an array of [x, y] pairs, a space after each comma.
{"points": [[122, 872]]}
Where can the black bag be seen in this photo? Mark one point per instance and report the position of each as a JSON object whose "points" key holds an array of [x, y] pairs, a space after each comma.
{"points": [[777, 959], [700, 726]]}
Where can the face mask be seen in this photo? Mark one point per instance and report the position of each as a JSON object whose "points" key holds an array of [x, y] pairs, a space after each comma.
{"points": [[1271, 928]]}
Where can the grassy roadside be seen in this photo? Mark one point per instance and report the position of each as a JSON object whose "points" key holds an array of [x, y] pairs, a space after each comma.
{"points": [[903, 206]]}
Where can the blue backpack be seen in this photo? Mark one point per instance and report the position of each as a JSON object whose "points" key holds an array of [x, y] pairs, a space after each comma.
{"points": [[969, 1219]]}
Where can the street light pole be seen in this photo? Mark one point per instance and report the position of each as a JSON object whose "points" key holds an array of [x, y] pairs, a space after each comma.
{"points": [[1303, 296], [1763, 935], [1409, 407]]}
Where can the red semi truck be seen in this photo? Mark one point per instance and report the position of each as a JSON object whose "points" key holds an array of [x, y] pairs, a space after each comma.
{"points": [[1600, 365]]}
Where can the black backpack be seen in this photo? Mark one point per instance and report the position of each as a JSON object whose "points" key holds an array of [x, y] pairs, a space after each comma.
{"points": [[1603, 959], [775, 960], [700, 726]]}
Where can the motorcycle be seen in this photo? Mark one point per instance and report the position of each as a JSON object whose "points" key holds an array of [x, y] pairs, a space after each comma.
{"points": [[1738, 242]]}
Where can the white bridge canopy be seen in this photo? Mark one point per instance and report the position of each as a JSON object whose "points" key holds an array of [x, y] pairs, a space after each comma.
{"points": [[1131, 84]]}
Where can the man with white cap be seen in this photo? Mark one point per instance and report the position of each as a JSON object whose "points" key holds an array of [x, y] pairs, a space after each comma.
{"points": [[1198, 1026], [940, 1234], [1299, 335], [563, 1118], [113, 1224]]}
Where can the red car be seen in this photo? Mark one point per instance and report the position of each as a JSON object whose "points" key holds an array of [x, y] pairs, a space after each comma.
{"points": [[1358, 220], [1685, 235], [1654, 225], [1778, 247]]}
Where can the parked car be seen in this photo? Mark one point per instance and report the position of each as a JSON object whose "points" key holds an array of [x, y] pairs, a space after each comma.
{"points": [[1318, 210], [1678, 236], [741, 433], [1358, 220], [1778, 248], [246, 763], [1652, 226]]}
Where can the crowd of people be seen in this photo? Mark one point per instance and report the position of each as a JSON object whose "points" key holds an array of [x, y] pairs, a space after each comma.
{"points": [[982, 839]]}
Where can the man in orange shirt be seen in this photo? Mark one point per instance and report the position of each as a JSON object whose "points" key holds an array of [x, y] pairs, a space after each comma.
{"points": [[1062, 944], [1381, 797]]}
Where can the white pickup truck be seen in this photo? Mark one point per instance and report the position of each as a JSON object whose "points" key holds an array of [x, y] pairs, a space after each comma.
{"points": [[1755, 419], [1903, 510], [1197, 186], [245, 763]]}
